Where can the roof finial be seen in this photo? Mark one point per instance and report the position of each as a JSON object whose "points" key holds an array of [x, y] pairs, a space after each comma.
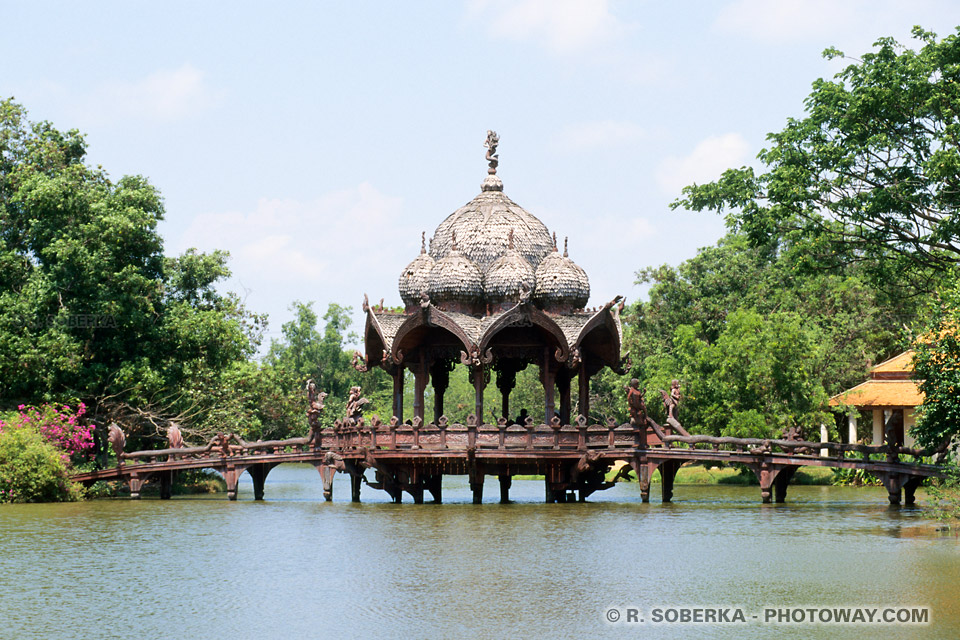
{"points": [[423, 242], [491, 144], [565, 254], [554, 240], [453, 242], [510, 239]]}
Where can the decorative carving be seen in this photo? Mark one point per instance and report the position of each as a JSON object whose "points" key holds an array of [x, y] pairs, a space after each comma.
{"points": [[574, 360], [636, 404], [375, 421], [354, 409], [360, 362], [492, 156], [417, 422], [394, 421], [366, 303], [443, 422], [174, 437], [555, 422], [581, 420], [471, 420], [117, 440]]}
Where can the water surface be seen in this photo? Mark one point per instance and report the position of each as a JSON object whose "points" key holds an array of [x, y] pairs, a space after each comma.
{"points": [[294, 566]]}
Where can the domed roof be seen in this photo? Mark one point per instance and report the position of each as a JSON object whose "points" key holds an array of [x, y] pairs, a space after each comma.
{"points": [[508, 275], [482, 224], [455, 281], [561, 283], [415, 278]]}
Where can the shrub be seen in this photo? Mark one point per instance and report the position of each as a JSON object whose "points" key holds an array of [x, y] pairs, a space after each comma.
{"points": [[32, 469]]}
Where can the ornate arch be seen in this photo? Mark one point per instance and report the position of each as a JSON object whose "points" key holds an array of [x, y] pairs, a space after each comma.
{"points": [[429, 316], [526, 311]]}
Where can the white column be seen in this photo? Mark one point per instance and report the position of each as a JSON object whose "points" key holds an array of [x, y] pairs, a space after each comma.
{"points": [[852, 428], [824, 437], [909, 420], [877, 426]]}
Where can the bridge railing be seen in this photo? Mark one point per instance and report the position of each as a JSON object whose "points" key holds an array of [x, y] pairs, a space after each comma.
{"points": [[516, 437]]}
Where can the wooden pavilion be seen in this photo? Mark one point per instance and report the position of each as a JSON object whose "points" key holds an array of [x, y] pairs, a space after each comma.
{"points": [[493, 293]]}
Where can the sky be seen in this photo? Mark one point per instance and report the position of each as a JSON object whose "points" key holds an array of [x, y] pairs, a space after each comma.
{"points": [[315, 141]]}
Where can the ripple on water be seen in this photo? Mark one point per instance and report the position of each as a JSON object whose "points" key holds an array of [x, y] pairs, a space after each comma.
{"points": [[296, 566]]}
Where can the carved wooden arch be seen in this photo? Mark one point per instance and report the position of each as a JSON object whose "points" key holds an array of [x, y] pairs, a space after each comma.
{"points": [[429, 317], [538, 318], [603, 318], [374, 356]]}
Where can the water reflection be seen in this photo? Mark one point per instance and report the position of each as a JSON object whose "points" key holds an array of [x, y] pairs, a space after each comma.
{"points": [[293, 566]]}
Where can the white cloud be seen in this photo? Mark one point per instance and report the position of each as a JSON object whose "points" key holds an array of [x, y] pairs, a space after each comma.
{"points": [[162, 96], [562, 26], [599, 135], [710, 158], [330, 249]]}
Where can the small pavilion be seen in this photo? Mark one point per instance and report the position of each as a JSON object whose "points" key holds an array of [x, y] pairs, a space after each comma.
{"points": [[891, 394], [493, 292]]}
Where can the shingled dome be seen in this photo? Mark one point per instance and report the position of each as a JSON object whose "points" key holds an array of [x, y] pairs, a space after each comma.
{"points": [[561, 283], [482, 225], [415, 278], [508, 277], [455, 282]]}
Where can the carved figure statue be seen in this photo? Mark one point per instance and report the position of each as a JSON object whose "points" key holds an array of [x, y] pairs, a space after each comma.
{"points": [[492, 157], [315, 407], [174, 437], [671, 401], [355, 404], [223, 444], [636, 404], [117, 440]]}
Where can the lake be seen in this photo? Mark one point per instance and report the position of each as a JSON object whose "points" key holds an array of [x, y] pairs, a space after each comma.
{"points": [[294, 566]]}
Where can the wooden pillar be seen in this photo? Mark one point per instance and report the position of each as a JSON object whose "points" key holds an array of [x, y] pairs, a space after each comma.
{"points": [[584, 399], [398, 393], [506, 381], [852, 428], [479, 383], [166, 485], [909, 421], [824, 437], [440, 376], [548, 378], [563, 386], [356, 481], [420, 378]]}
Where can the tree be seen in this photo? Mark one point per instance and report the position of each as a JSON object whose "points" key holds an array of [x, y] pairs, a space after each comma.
{"points": [[870, 174], [937, 368], [90, 307]]}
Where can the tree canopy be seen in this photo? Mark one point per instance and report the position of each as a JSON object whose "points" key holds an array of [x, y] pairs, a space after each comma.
{"points": [[870, 174]]}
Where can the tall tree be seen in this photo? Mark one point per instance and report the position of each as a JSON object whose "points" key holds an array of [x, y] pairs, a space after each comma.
{"points": [[871, 172]]}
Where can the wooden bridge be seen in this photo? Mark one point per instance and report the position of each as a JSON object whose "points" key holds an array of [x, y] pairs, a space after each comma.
{"points": [[573, 459]]}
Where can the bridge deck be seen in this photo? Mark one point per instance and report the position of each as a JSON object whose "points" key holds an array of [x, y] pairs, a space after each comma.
{"points": [[573, 458]]}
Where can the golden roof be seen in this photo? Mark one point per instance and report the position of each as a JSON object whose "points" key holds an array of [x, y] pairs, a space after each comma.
{"points": [[891, 384]]}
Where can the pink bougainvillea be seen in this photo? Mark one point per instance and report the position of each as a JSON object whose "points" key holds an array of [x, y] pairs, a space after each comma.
{"points": [[60, 424]]}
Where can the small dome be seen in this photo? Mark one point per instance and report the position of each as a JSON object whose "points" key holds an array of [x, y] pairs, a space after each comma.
{"points": [[456, 283], [415, 279], [507, 276], [561, 283]]}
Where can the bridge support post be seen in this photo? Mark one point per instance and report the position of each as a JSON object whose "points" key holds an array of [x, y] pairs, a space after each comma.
{"points": [[166, 485], [258, 473], [506, 481], [434, 484], [644, 471], [356, 481], [668, 472], [910, 489], [136, 483], [476, 486], [326, 477], [232, 477], [893, 483]]}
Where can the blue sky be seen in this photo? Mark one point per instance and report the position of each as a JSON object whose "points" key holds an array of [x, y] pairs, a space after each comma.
{"points": [[316, 140]]}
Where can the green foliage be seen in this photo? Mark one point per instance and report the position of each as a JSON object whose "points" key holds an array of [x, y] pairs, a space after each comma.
{"points": [[944, 497], [869, 175], [90, 307], [937, 368], [31, 469]]}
